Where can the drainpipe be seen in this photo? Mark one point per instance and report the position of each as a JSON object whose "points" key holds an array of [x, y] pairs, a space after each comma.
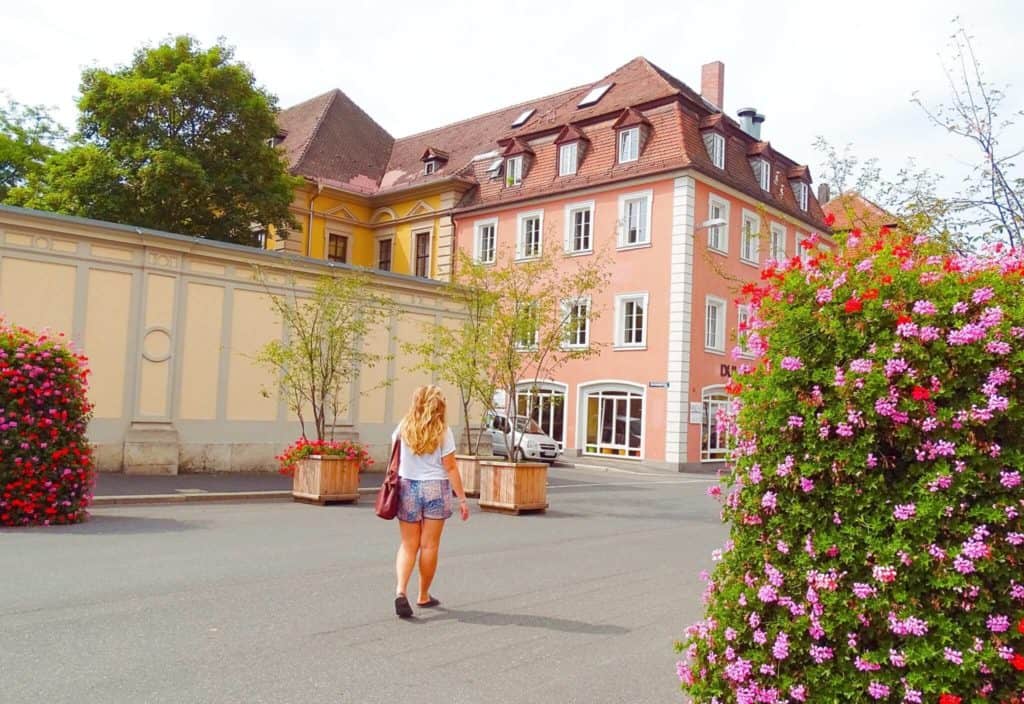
{"points": [[309, 227]]}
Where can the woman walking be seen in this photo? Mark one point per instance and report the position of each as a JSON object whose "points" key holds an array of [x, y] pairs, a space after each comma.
{"points": [[427, 473]]}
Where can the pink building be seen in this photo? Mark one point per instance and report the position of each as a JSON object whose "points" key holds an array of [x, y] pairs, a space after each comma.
{"points": [[689, 202]]}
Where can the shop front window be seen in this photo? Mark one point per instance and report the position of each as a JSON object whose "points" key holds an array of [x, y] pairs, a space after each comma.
{"points": [[614, 421]]}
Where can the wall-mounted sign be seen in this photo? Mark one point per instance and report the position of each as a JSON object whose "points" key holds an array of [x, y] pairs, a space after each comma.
{"points": [[726, 370], [696, 412], [657, 384]]}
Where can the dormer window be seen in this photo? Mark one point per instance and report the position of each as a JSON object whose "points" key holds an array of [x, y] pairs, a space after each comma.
{"points": [[433, 160], [568, 158], [629, 145], [762, 172], [800, 191], [513, 171], [715, 144]]}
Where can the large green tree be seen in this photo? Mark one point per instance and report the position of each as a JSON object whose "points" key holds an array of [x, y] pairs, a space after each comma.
{"points": [[28, 137], [178, 140]]}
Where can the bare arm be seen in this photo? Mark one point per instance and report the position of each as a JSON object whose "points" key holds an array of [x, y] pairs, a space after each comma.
{"points": [[453, 475]]}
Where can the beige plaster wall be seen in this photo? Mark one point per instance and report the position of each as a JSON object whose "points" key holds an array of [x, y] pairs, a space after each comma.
{"points": [[171, 325]]}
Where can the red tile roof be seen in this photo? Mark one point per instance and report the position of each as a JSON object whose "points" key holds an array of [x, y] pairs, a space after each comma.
{"points": [[365, 157], [852, 210], [331, 139]]}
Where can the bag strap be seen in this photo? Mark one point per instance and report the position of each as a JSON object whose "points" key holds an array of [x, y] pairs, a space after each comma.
{"points": [[396, 453]]}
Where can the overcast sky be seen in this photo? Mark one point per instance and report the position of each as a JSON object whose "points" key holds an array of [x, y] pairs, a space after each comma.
{"points": [[844, 70]]}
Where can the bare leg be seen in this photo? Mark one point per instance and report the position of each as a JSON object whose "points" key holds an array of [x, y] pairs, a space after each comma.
{"points": [[430, 541], [406, 558]]}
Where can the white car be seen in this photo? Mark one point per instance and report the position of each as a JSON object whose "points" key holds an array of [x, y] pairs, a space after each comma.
{"points": [[535, 444]]}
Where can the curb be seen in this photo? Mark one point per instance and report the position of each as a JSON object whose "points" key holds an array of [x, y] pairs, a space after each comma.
{"points": [[208, 497]]}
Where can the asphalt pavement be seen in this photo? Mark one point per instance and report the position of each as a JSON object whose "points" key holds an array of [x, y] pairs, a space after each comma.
{"points": [[284, 602]]}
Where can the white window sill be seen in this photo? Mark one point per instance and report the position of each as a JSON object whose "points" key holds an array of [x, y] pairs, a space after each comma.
{"points": [[638, 245], [575, 348], [531, 258], [526, 349], [628, 161], [629, 348], [484, 263], [716, 250], [578, 253], [723, 458], [611, 456], [712, 350], [750, 262]]}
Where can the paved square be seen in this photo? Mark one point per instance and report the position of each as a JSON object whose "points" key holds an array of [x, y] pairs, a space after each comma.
{"points": [[281, 602]]}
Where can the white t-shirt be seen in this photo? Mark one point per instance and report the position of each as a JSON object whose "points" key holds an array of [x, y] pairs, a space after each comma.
{"points": [[420, 467]]}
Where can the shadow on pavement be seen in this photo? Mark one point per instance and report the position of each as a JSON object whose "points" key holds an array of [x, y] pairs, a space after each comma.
{"points": [[492, 618]]}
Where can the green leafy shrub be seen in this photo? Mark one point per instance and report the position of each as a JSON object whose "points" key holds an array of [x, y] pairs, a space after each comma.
{"points": [[46, 470], [876, 493]]}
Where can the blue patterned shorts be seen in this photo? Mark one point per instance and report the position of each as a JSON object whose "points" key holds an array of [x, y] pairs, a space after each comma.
{"points": [[424, 498]]}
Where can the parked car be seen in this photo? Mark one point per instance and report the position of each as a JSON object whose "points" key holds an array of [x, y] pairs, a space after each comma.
{"points": [[535, 444]]}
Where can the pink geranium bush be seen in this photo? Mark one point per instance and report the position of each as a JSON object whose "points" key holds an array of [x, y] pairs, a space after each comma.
{"points": [[303, 448], [876, 491], [46, 467]]}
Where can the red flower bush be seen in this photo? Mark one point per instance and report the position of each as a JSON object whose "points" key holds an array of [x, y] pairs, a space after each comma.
{"points": [[46, 469], [303, 448], [876, 494]]}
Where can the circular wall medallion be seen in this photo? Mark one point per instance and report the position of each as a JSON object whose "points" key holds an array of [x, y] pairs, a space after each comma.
{"points": [[156, 344]]}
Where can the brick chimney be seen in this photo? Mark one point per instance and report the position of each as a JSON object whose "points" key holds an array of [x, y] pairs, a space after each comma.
{"points": [[712, 83]]}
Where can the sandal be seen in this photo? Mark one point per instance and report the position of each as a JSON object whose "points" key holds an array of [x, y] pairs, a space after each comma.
{"points": [[429, 603], [402, 608]]}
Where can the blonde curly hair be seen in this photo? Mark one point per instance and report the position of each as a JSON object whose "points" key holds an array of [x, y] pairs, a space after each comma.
{"points": [[424, 424]]}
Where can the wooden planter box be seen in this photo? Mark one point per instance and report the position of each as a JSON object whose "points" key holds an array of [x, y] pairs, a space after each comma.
{"points": [[469, 470], [510, 487], [322, 480]]}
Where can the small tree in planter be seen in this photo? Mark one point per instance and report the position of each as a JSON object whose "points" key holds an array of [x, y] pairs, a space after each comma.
{"points": [[319, 357], [460, 355], [542, 317], [46, 465]]}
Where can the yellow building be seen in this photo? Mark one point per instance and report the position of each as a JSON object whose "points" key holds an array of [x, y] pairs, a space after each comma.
{"points": [[368, 199]]}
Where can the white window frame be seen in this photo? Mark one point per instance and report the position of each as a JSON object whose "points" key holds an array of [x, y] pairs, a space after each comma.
{"points": [[722, 230], [633, 142], [711, 398], [386, 238], [623, 199], [714, 143], [519, 346], [478, 227], [643, 298], [429, 231], [598, 388], [584, 301], [568, 155], [718, 344], [546, 388], [521, 219], [514, 170], [777, 231], [750, 237], [763, 172], [429, 167], [800, 192], [742, 314], [570, 227]]}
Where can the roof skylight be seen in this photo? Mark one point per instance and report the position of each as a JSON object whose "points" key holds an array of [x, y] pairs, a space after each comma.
{"points": [[595, 94], [523, 117], [495, 165]]}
